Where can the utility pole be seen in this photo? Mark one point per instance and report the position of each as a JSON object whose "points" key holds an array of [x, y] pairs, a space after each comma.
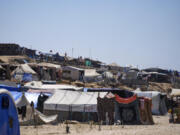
{"points": [[72, 52]]}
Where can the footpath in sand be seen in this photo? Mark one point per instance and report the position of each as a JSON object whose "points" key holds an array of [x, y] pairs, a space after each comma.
{"points": [[161, 127]]}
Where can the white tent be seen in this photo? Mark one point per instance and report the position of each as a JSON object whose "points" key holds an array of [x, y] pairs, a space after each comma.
{"points": [[158, 104], [74, 73], [90, 75], [74, 101]]}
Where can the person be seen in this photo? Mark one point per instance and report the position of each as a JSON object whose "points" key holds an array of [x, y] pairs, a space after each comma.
{"points": [[23, 109]]}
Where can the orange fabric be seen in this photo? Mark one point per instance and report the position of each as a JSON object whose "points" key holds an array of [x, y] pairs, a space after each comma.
{"points": [[125, 100]]}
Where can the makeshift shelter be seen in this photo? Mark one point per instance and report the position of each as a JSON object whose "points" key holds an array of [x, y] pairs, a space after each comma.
{"points": [[130, 110], [24, 73], [114, 66], [27, 98], [90, 75], [126, 107], [49, 71], [105, 107], [9, 123], [73, 73], [73, 105], [108, 75], [157, 70], [158, 101], [131, 74]]}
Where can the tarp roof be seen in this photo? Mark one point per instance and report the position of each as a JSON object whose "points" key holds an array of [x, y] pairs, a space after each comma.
{"points": [[50, 65], [90, 73], [72, 68], [24, 68], [40, 86], [63, 100]]}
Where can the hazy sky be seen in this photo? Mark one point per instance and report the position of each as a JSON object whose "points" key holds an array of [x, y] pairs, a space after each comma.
{"points": [[129, 32]]}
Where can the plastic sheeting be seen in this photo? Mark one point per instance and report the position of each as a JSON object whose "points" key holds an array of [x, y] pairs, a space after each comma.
{"points": [[9, 88], [29, 96], [39, 86], [73, 101], [9, 124], [22, 101]]}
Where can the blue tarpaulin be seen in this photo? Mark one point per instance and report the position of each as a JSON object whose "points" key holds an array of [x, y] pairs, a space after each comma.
{"points": [[9, 88], [9, 123], [29, 96], [27, 77]]}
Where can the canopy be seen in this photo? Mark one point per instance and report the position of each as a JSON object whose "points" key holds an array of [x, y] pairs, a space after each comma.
{"points": [[75, 101]]}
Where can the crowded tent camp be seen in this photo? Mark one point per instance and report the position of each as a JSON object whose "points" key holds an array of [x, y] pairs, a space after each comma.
{"points": [[47, 91]]}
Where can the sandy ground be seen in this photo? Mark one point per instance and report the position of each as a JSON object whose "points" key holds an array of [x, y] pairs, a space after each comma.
{"points": [[161, 127]]}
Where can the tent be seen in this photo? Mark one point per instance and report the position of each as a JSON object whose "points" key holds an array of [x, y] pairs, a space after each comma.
{"points": [[90, 75], [79, 101], [158, 101], [126, 107], [73, 73], [24, 99], [72, 104], [9, 123], [24, 73]]}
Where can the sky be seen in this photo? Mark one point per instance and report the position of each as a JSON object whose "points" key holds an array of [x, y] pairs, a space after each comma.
{"points": [[143, 33]]}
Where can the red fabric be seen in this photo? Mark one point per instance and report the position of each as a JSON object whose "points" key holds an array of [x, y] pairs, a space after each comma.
{"points": [[125, 100]]}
